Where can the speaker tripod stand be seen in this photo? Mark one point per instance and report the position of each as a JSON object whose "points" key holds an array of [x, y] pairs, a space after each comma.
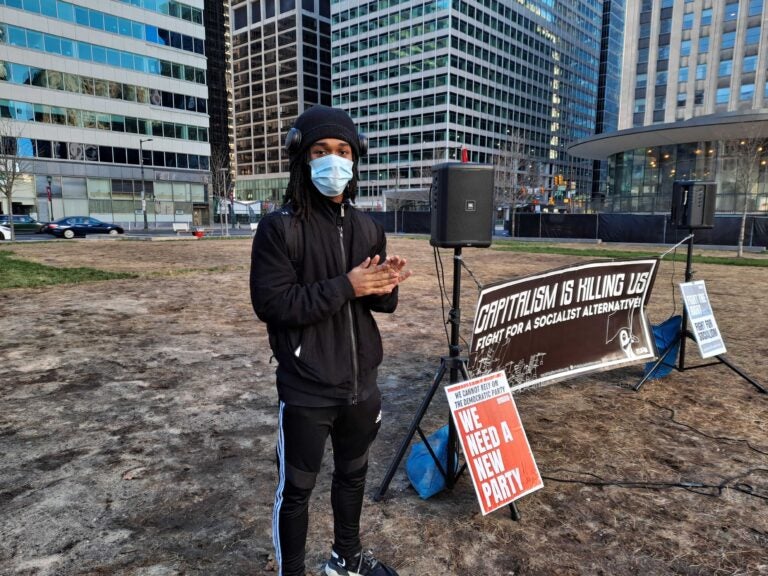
{"points": [[453, 364], [684, 334]]}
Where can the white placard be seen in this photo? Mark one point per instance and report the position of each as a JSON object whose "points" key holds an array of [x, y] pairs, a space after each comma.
{"points": [[702, 319]]}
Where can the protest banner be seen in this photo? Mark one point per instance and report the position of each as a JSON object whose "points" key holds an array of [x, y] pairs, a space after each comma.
{"points": [[564, 322], [492, 438]]}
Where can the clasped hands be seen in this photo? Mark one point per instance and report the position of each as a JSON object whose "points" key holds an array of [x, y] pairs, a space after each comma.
{"points": [[372, 276]]}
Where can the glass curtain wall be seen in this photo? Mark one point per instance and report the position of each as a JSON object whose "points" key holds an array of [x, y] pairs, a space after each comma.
{"points": [[647, 175]]}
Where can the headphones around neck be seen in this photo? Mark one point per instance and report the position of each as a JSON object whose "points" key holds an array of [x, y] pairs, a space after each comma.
{"points": [[293, 142]]}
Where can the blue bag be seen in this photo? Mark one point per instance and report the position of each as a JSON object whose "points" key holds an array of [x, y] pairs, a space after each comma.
{"points": [[421, 468], [664, 334]]}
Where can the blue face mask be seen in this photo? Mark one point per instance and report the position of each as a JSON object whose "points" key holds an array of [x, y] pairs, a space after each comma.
{"points": [[331, 174]]}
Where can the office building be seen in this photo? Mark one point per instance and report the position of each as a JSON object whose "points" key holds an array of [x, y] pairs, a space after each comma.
{"points": [[693, 103], [423, 80], [221, 133], [609, 86], [105, 104], [431, 82], [281, 62]]}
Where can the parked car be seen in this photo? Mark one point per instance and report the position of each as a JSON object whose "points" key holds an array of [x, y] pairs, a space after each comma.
{"points": [[72, 226], [22, 224], [5, 232]]}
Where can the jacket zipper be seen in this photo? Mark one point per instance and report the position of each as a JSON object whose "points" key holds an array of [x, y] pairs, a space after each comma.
{"points": [[352, 338]]}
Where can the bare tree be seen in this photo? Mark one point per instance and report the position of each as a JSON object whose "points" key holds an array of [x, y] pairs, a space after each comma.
{"points": [[12, 165], [510, 170], [221, 178], [747, 155], [531, 177]]}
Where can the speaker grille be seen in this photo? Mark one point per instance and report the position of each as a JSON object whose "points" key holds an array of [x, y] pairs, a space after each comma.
{"points": [[462, 205]]}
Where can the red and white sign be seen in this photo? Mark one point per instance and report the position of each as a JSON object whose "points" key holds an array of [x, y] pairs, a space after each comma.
{"points": [[495, 447]]}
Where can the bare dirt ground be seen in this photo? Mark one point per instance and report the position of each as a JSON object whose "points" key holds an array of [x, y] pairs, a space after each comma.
{"points": [[137, 423]]}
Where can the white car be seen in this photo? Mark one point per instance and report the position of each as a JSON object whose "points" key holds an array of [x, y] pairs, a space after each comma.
{"points": [[5, 232]]}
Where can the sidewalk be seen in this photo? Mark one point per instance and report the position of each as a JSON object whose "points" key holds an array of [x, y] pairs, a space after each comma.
{"points": [[209, 232]]}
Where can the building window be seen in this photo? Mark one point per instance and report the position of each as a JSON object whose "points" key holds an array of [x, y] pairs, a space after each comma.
{"points": [[703, 44], [706, 17], [749, 64], [682, 74], [729, 39], [731, 12], [685, 48], [701, 71], [752, 37], [241, 17], [722, 96], [725, 68], [688, 21], [747, 92]]}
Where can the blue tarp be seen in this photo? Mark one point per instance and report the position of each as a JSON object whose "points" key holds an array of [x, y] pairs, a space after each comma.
{"points": [[665, 334], [422, 471]]}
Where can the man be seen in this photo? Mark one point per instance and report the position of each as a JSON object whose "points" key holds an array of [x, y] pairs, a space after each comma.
{"points": [[318, 269]]}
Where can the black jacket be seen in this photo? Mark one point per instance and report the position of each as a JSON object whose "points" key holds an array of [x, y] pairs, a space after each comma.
{"points": [[325, 340]]}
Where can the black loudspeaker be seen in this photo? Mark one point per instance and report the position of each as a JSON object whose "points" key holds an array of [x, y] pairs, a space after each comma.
{"points": [[462, 205], [693, 204]]}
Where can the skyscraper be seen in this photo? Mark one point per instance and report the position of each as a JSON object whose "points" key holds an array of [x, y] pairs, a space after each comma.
{"points": [[105, 109], [218, 50], [426, 80], [281, 58], [693, 100], [691, 59], [609, 85]]}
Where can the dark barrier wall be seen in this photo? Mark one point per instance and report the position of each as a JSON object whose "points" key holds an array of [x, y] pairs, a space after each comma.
{"points": [[759, 232], [639, 228], [645, 229], [383, 218], [636, 228], [560, 225], [406, 222]]}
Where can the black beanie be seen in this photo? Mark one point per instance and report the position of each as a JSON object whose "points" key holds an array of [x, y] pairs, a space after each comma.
{"points": [[323, 122]]}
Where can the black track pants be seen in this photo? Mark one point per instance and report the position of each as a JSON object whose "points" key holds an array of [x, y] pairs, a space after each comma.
{"points": [[302, 433]]}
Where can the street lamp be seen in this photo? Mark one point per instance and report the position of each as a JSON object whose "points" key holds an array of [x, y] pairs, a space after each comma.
{"points": [[141, 164]]}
